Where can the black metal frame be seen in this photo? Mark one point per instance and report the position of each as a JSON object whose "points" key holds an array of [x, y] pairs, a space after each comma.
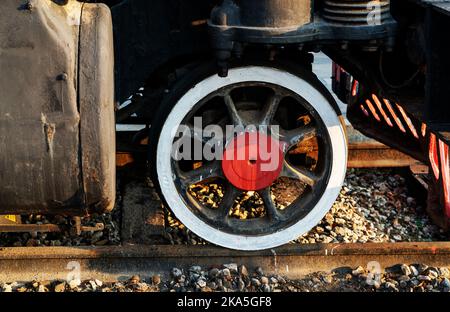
{"points": [[154, 39], [295, 22]]}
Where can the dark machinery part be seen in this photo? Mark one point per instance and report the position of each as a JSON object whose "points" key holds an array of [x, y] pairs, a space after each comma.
{"points": [[367, 24], [395, 48], [355, 12], [416, 72], [13, 224], [437, 112], [389, 122], [56, 108], [56, 139], [149, 47], [153, 37]]}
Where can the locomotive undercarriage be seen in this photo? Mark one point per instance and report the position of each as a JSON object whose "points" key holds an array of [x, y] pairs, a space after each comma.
{"points": [[248, 62]]}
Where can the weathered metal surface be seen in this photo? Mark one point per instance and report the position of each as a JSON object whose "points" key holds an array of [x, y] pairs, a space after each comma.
{"points": [[151, 36], [95, 228], [298, 22], [123, 159], [96, 105], [77, 228], [13, 227], [293, 261], [383, 157], [364, 152], [275, 13], [27, 228], [56, 114], [355, 12], [39, 119]]}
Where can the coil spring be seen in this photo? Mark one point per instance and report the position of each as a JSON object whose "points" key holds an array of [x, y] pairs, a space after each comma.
{"points": [[356, 11]]}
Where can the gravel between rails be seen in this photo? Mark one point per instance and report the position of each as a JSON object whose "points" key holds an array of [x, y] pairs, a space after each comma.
{"points": [[234, 278], [374, 206]]}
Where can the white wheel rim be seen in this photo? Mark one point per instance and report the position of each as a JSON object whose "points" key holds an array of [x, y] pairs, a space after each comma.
{"points": [[251, 74]]}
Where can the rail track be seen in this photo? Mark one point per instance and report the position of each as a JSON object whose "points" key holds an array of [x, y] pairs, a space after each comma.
{"points": [[114, 263]]}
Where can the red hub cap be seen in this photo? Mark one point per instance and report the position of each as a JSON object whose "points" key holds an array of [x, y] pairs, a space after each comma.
{"points": [[252, 161]]}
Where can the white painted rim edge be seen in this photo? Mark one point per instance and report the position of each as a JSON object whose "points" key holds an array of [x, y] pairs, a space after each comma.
{"points": [[246, 74]]}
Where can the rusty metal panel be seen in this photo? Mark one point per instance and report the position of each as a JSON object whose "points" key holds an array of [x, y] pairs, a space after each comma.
{"points": [[41, 169], [96, 67], [39, 118]]}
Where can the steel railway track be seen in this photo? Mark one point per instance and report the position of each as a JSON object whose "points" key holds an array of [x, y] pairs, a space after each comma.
{"points": [[292, 261]]}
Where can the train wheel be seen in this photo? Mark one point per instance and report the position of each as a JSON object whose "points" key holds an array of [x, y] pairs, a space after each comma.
{"points": [[248, 202]]}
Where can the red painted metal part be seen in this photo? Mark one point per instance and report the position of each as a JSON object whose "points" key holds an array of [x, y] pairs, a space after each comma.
{"points": [[438, 152], [252, 161], [373, 110], [380, 108], [408, 121], [394, 115], [445, 170], [433, 155], [424, 129], [364, 110], [337, 72], [355, 86]]}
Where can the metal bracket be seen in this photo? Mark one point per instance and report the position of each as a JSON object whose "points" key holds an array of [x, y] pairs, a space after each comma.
{"points": [[9, 226]]}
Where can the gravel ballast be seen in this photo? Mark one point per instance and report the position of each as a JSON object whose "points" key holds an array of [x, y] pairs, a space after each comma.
{"points": [[373, 206], [237, 278]]}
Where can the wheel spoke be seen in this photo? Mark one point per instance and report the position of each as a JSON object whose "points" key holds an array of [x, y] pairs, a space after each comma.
{"points": [[302, 174], [221, 208], [269, 204], [231, 193], [295, 136], [234, 114], [210, 170], [270, 109], [209, 141]]}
